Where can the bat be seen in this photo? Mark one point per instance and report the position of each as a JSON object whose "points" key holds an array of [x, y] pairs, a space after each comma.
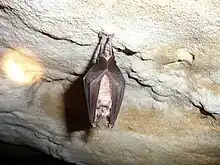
{"points": [[104, 85]]}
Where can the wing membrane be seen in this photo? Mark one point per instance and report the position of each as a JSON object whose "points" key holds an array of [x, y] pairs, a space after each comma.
{"points": [[91, 83], [118, 87]]}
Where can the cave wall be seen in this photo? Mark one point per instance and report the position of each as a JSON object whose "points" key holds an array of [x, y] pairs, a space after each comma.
{"points": [[169, 54]]}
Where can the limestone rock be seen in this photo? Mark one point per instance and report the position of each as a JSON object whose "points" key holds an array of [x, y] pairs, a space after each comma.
{"points": [[168, 52]]}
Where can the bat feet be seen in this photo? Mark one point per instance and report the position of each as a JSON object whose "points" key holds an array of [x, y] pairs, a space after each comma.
{"points": [[102, 35]]}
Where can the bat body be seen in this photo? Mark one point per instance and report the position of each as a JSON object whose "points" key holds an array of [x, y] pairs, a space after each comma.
{"points": [[104, 85]]}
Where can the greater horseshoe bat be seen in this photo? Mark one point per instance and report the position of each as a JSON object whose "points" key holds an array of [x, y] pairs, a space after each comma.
{"points": [[104, 85]]}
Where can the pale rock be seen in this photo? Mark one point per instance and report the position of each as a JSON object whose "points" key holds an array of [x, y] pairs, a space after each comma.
{"points": [[215, 76], [172, 75], [206, 99], [158, 105], [184, 55]]}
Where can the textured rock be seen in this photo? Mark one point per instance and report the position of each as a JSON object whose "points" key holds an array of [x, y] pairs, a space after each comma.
{"points": [[172, 79]]}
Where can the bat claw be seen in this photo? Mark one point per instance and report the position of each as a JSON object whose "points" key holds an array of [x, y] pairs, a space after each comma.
{"points": [[101, 34], [109, 36]]}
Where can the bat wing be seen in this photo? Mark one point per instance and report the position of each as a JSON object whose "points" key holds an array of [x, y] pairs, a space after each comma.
{"points": [[91, 82], [117, 82]]}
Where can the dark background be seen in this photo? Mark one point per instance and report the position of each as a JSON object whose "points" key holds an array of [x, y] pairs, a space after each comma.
{"points": [[19, 154]]}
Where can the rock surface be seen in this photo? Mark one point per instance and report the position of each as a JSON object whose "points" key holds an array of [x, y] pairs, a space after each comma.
{"points": [[172, 80]]}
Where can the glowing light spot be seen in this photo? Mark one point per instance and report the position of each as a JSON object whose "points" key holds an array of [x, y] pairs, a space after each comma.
{"points": [[22, 67]]}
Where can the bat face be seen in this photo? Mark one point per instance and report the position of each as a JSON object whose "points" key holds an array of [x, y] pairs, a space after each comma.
{"points": [[104, 86]]}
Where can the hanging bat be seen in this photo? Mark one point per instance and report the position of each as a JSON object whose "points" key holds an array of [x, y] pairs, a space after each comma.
{"points": [[104, 85]]}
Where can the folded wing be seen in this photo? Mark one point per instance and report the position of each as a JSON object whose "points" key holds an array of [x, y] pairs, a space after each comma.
{"points": [[117, 82]]}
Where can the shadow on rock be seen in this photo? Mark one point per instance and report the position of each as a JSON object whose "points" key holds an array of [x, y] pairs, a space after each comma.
{"points": [[76, 113]]}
